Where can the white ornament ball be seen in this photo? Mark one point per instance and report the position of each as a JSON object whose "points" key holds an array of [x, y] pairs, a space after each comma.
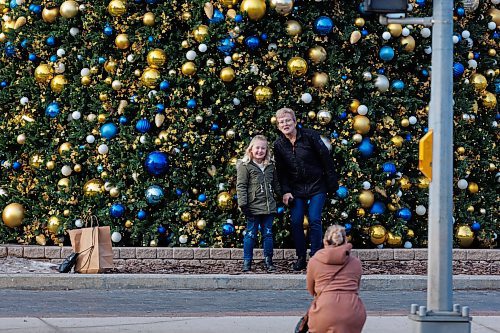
{"points": [[78, 223], [428, 50], [413, 120], [60, 68], [24, 100], [143, 139], [90, 139], [455, 39], [382, 83], [202, 48], [107, 186], [152, 93], [470, 42], [362, 110], [229, 221], [420, 210], [466, 34], [228, 60], [183, 239], [306, 98], [60, 52], [344, 215], [425, 32], [408, 245], [462, 184], [116, 237], [85, 72], [472, 63], [130, 58], [405, 32], [272, 47], [386, 35], [236, 101], [344, 142], [366, 185], [357, 138], [367, 76], [400, 193], [74, 31], [103, 149], [190, 55], [492, 25], [409, 8], [254, 69]]}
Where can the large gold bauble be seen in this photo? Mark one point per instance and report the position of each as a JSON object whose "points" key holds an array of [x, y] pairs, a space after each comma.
{"points": [[93, 187], [262, 94], [473, 188], [479, 82], [49, 15], [224, 201], [150, 77], [423, 182], [297, 66], [64, 147], [13, 215], [366, 198], [122, 42], [394, 240], [68, 9], [320, 80], [227, 74], [36, 161], [378, 234], [43, 73], [397, 141], [255, 9], [186, 216], [408, 43], [494, 13], [464, 236], [361, 124], [293, 28], [200, 33], [57, 83], [85, 80], [53, 224], [359, 22], [156, 58], [489, 100], [63, 184], [317, 54], [324, 117], [149, 19], [282, 7], [201, 224], [117, 7], [188, 68], [395, 29], [229, 3]]}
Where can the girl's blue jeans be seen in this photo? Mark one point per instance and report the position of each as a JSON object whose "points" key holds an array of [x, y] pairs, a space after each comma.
{"points": [[265, 222]]}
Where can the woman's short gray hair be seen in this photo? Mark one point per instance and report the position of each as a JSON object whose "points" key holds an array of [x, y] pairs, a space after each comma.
{"points": [[283, 111]]}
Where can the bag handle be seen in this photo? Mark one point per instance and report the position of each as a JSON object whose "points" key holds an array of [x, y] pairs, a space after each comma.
{"points": [[91, 219]]}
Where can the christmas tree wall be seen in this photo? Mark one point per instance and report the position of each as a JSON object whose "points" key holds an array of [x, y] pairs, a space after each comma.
{"points": [[136, 112]]}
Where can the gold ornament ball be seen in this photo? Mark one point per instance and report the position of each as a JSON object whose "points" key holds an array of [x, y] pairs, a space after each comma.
{"points": [[495, 15], [188, 68], [262, 94], [21, 139], [150, 77], [66, 213], [101, 118], [297, 66], [122, 42], [394, 240], [324, 117], [361, 124], [464, 236], [86, 80], [461, 150], [230, 134], [185, 44], [49, 15], [128, 224], [50, 165], [116, 85], [311, 115], [359, 22], [201, 224], [186, 16], [200, 33], [395, 29], [378, 234], [224, 201], [473, 188], [149, 19], [227, 74], [114, 192], [43, 73], [360, 212], [77, 168], [53, 224], [492, 52], [293, 28], [117, 7], [13, 215], [282, 7], [317, 54], [63, 184], [479, 82], [492, 73], [68, 9], [186, 216], [489, 100], [354, 106], [405, 122], [397, 141], [320, 80], [93, 187], [110, 66], [57, 83], [408, 43], [357, 138], [41, 240], [492, 167], [65, 147], [235, 56], [255, 9], [229, 3], [36, 161], [366, 198], [470, 209], [156, 58]]}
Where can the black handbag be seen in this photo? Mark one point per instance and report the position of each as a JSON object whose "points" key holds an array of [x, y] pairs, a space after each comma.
{"points": [[68, 263]]}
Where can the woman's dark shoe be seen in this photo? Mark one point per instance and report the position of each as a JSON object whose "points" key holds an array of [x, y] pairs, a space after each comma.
{"points": [[268, 263], [300, 264], [247, 265]]}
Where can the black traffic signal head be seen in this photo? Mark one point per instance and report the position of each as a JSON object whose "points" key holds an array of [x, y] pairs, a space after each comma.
{"points": [[386, 6]]}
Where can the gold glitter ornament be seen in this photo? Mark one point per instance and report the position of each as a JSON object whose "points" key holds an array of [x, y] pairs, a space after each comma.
{"points": [[464, 236], [227, 74], [397, 141], [93, 187], [378, 234], [122, 42], [85, 80], [225, 201], [36, 161], [395, 29], [64, 148], [110, 66], [57, 83], [13, 215], [359, 22], [200, 33], [366, 198], [297, 66], [117, 7], [156, 58], [489, 100], [49, 15], [149, 19], [394, 240], [320, 80], [293, 28], [361, 124], [53, 224], [479, 82], [150, 77], [255, 9], [43, 73], [186, 217], [68, 9], [408, 43], [262, 94], [188, 68], [324, 117]]}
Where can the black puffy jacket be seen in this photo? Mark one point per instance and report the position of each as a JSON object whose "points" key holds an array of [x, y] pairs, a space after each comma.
{"points": [[306, 168]]}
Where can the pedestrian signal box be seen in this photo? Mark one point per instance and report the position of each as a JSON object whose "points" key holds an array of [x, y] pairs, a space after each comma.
{"points": [[425, 155], [386, 6]]}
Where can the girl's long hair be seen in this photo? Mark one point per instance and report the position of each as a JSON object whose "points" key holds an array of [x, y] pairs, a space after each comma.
{"points": [[248, 152]]}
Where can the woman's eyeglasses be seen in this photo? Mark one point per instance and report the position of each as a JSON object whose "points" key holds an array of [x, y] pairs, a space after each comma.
{"points": [[285, 121]]}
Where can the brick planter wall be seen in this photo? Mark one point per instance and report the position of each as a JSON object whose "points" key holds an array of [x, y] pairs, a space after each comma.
{"points": [[56, 254]]}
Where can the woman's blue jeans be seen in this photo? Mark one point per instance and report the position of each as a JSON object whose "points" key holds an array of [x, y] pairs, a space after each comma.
{"points": [[314, 207], [266, 229]]}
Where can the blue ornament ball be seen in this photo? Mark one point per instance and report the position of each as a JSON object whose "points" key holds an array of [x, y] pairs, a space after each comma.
{"points": [[405, 214], [460, 11], [348, 228], [214, 127], [51, 41], [123, 120], [32, 57], [156, 163], [252, 42], [366, 148], [13, 4], [398, 85], [108, 30], [458, 69], [202, 197], [475, 226], [420, 2], [389, 168], [10, 50], [53, 58], [281, 210], [141, 215], [386, 53], [217, 17], [377, 208], [178, 192], [342, 192], [117, 210], [4, 84], [154, 195], [238, 18], [143, 125], [225, 45], [227, 229], [164, 85], [191, 104], [52, 110], [16, 166], [323, 25], [109, 130], [162, 230]]}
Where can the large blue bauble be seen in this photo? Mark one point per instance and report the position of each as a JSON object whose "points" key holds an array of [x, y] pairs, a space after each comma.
{"points": [[458, 69], [366, 148], [378, 208], [154, 195], [404, 213], [225, 45], [323, 25], [227, 229], [13, 4], [156, 163], [389, 168], [398, 85], [143, 125], [117, 210], [217, 17], [386, 53], [109, 130], [252, 42], [342, 192], [52, 110]]}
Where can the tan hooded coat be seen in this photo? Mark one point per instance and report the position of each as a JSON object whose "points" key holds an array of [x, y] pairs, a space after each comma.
{"points": [[339, 308]]}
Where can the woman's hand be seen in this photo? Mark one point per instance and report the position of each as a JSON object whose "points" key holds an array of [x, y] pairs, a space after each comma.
{"points": [[287, 198]]}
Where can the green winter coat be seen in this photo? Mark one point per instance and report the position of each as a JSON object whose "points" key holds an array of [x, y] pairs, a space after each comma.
{"points": [[256, 189]]}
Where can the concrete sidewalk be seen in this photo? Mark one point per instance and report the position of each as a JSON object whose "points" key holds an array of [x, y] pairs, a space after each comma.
{"points": [[265, 324], [224, 281]]}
